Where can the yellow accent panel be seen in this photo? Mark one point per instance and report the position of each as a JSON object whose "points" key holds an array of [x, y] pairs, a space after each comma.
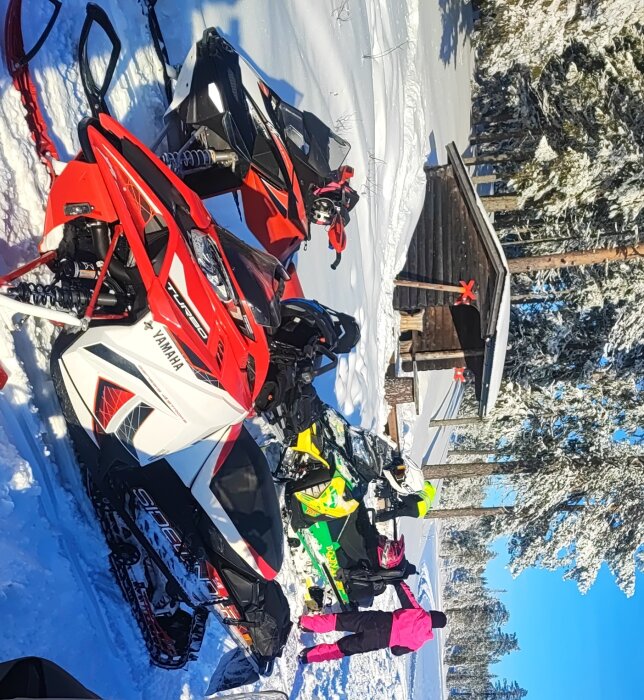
{"points": [[331, 502], [306, 444]]}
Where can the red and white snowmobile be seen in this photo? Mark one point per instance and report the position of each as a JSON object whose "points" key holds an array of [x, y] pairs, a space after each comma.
{"points": [[228, 130], [170, 328], [161, 358]]}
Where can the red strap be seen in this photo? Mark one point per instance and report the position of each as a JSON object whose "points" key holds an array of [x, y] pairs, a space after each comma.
{"points": [[459, 374]]}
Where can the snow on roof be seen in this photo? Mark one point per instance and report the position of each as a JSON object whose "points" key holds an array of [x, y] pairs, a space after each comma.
{"points": [[495, 376], [497, 341]]}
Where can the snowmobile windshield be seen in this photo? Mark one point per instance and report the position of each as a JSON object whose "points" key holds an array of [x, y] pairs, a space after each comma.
{"points": [[244, 487], [260, 276], [311, 142]]}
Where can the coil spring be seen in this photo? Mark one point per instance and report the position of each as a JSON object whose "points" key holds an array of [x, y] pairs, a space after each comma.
{"points": [[188, 160], [64, 297]]}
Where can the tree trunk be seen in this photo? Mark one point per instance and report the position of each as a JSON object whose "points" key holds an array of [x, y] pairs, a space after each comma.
{"points": [[470, 512], [471, 470], [500, 202], [535, 241], [575, 259], [463, 420], [536, 298], [495, 137], [495, 158], [399, 390]]}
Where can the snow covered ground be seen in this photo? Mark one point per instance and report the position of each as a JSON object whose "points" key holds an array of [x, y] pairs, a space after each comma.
{"points": [[425, 445], [57, 596]]}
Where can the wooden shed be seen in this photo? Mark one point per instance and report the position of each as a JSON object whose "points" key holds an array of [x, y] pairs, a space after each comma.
{"points": [[455, 242]]}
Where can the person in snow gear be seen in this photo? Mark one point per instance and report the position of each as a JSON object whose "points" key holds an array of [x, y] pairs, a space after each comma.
{"points": [[402, 631], [412, 505]]}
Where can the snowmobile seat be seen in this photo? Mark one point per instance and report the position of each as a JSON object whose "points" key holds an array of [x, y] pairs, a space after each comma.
{"points": [[363, 585], [358, 539], [244, 487]]}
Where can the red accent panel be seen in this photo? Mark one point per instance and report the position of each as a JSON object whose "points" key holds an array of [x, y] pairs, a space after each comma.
{"points": [[293, 286], [215, 578], [79, 182], [228, 446], [198, 211], [4, 377], [109, 399], [279, 235], [267, 571]]}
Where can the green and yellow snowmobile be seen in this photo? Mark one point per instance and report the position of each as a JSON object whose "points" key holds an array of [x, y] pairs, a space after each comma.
{"points": [[327, 481]]}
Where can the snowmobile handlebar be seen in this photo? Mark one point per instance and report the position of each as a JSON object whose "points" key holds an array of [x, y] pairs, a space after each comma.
{"points": [[96, 94], [28, 56]]}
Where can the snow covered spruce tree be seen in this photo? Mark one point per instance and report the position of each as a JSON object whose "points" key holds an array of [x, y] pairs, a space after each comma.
{"points": [[475, 638], [569, 455], [559, 95], [558, 112]]}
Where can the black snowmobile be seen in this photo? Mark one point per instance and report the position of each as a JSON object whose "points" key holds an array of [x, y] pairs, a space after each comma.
{"points": [[352, 559], [228, 130]]}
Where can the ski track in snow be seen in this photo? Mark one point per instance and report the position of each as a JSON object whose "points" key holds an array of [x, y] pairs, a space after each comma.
{"points": [[58, 598]]}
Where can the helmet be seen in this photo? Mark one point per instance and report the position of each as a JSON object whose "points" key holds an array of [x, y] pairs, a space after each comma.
{"points": [[390, 552]]}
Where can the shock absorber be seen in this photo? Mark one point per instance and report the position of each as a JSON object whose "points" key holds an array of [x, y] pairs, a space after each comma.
{"points": [[197, 159], [62, 297]]}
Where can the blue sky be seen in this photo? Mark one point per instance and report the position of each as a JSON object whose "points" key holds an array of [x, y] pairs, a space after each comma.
{"points": [[572, 646]]}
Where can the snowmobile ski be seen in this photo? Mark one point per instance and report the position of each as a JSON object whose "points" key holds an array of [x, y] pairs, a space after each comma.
{"points": [[17, 59], [256, 695], [233, 671]]}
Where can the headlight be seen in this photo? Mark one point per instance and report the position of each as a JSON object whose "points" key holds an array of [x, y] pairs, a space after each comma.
{"points": [[210, 263]]}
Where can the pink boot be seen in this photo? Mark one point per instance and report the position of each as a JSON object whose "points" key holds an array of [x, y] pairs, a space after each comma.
{"points": [[318, 623], [320, 652]]}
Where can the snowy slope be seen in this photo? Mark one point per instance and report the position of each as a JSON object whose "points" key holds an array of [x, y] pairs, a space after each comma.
{"points": [[57, 597]]}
